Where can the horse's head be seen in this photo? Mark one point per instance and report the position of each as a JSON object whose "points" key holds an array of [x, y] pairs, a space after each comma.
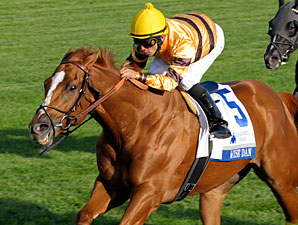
{"points": [[283, 31], [67, 95]]}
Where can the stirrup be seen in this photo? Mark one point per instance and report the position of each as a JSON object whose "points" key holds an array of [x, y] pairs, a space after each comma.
{"points": [[220, 131]]}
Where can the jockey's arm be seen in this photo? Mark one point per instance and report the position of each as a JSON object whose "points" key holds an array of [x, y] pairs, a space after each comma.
{"points": [[167, 82], [157, 81], [174, 74], [182, 56]]}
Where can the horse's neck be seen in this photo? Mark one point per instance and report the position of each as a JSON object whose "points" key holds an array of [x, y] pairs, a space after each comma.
{"points": [[123, 114], [131, 111], [118, 113], [104, 79]]}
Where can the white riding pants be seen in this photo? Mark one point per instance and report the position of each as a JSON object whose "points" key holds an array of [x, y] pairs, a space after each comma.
{"points": [[196, 70]]}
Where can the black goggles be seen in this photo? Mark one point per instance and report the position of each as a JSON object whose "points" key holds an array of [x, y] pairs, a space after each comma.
{"points": [[147, 43]]}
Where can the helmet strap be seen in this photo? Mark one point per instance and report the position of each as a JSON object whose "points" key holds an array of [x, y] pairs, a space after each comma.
{"points": [[159, 43]]}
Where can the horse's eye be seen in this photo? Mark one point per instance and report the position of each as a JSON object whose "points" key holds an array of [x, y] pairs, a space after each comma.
{"points": [[73, 88], [270, 28], [291, 28], [269, 31]]}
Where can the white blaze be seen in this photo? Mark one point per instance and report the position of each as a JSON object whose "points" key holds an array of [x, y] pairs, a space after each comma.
{"points": [[56, 80]]}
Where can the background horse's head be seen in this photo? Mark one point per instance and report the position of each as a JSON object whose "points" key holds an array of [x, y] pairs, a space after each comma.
{"points": [[283, 31], [67, 94]]}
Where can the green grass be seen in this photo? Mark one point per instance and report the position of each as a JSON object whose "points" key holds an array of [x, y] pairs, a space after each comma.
{"points": [[34, 36]]}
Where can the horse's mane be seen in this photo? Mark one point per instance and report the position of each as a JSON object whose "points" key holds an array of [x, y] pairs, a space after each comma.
{"points": [[105, 59]]}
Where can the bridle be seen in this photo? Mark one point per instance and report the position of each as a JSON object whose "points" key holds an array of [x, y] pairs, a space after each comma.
{"points": [[71, 119], [67, 115], [277, 28], [284, 56]]}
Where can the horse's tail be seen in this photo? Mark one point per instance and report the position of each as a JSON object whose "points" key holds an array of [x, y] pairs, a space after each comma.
{"points": [[292, 104]]}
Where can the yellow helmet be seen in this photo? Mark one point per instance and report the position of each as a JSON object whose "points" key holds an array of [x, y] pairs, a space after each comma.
{"points": [[148, 22]]}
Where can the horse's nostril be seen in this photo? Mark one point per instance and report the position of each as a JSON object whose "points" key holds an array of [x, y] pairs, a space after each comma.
{"points": [[274, 60], [44, 126], [40, 127], [271, 59]]}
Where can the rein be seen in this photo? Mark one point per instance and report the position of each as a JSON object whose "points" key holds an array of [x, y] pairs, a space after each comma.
{"points": [[103, 98], [75, 118]]}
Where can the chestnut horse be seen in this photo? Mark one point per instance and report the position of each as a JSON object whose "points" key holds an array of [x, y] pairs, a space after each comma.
{"points": [[149, 140]]}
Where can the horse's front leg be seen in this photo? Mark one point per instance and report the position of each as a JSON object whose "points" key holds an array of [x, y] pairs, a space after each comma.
{"points": [[143, 202], [102, 199]]}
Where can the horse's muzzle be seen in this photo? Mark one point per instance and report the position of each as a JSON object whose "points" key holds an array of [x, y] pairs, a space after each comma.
{"points": [[277, 54], [40, 131], [272, 57], [272, 62]]}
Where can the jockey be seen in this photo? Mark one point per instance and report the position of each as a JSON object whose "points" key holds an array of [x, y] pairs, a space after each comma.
{"points": [[184, 47]]}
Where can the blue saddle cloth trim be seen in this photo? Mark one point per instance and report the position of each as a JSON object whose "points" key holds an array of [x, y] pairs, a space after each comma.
{"points": [[237, 154], [211, 86]]}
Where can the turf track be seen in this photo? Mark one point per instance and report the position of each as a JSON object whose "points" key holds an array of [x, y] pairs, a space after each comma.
{"points": [[34, 35]]}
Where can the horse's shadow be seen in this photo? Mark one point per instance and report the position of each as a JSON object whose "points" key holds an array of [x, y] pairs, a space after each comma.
{"points": [[177, 210], [23, 212], [17, 141]]}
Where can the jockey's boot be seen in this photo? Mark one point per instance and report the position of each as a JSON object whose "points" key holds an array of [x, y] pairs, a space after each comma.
{"points": [[218, 127]]}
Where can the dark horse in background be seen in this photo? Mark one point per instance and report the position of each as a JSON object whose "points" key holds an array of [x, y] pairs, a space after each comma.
{"points": [[283, 32], [149, 140]]}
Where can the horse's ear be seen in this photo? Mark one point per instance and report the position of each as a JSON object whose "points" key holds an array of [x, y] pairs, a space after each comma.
{"points": [[90, 60], [66, 56], [281, 2], [295, 7], [69, 51]]}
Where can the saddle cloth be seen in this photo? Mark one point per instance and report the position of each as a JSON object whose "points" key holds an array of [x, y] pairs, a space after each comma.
{"points": [[242, 144]]}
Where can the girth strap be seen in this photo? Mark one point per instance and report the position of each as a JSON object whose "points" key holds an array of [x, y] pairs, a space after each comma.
{"points": [[195, 173]]}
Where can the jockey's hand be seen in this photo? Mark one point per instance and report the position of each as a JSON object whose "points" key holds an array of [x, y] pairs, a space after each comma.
{"points": [[128, 73], [126, 64], [131, 65]]}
